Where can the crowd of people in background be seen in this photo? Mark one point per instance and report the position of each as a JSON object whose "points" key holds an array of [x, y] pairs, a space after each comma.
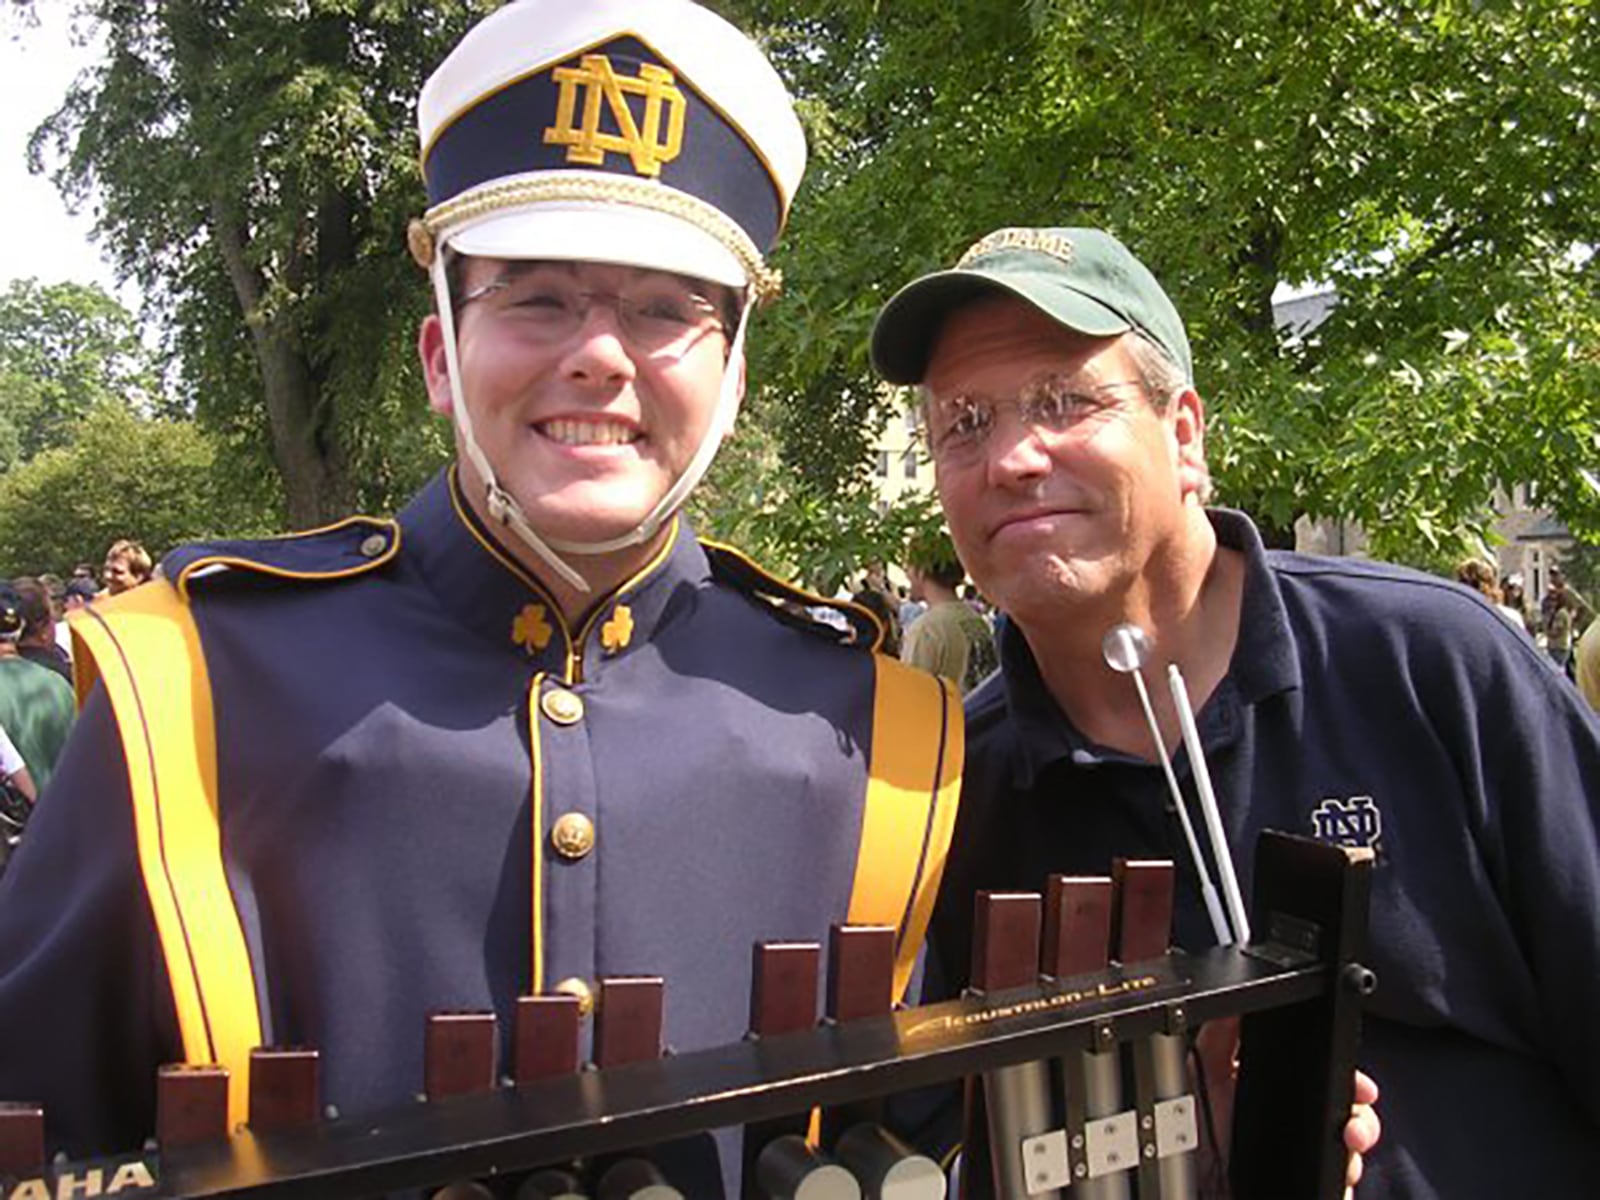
{"points": [[1562, 624], [935, 621], [37, 704]]}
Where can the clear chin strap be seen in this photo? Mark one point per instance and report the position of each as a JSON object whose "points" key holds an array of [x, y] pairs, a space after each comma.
{"points": [[503, 507]]}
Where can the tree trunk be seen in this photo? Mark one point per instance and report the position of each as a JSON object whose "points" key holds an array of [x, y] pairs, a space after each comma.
{"points": [[316, 483], [1258, 264]]}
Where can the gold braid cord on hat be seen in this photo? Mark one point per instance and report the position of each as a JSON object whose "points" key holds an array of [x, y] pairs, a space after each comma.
{"points": [[765, 283]]}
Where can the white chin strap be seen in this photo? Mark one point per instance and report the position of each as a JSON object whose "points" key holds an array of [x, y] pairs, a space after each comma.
{"points": [[503, 507]]}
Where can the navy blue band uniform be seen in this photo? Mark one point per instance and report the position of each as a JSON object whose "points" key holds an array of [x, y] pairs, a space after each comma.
{"points": [[431, 794]]}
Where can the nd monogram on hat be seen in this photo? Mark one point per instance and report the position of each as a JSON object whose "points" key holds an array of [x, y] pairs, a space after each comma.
{"points": [[645, 132]]}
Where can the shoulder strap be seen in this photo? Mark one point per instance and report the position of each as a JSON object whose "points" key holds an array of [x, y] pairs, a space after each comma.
{"points": [[145, 649], [914, 788], [859, 626]]}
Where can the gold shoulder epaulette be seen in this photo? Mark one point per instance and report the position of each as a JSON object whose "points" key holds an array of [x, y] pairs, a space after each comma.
{"points": [[840, 621], [353, 546]]}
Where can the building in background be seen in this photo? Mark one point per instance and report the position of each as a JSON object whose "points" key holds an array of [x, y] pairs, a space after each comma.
{"points": [[901, 466]]}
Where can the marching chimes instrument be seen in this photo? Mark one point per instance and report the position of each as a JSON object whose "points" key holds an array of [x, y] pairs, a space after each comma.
{"points": [[779, 1163], [458, 1054], [284, 1088], [1092, 1142], [1077, 941], [1167, 1127], [21, 1139], [1005, 955], [548, 1030], [191, 1105], [1075, 1033]]}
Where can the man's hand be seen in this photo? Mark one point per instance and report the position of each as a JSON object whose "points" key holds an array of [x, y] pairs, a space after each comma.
{"points": [[1363, 1130], [1219, 1056]]}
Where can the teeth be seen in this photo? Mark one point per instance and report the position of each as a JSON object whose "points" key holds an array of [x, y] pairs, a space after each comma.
{"points": [[588, 433]]}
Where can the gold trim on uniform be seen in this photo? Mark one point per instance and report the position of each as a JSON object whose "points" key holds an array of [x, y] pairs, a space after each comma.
{"points": [[536, 867], [795, 591], [616, 633], [913, 792], [561, 706], [584, 187], [1036, 240], [388, 530], [530, 629], [144, 648], [572, 836]]}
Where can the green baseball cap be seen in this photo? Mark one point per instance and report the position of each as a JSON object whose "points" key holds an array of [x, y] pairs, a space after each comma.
{"points": [[1083, 279]]}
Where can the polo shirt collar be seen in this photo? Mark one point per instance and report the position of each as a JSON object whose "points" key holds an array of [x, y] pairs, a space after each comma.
{"points": [[1265, 662]]}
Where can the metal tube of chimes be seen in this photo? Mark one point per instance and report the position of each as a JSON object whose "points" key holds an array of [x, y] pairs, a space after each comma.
{"points": [[1092, 1143], [1044, 1030]]}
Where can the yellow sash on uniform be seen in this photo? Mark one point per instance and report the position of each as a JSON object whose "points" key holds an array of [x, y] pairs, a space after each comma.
{"points": [[143, 647], [918, 743]]}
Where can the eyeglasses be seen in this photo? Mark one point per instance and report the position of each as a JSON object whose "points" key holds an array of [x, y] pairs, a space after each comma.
{"points": [[957, 428], [658, 316]]}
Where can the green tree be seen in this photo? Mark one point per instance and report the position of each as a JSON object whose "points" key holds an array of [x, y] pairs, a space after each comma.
{"points": [[254, 166], [64, 348], [793, 526], [1433, 162], [120, 475]]}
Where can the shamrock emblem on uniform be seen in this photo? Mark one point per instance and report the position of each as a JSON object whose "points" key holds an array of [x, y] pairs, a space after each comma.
{"points": [[531, 630], [616, 633]]}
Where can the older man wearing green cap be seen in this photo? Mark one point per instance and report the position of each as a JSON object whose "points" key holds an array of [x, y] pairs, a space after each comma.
{"points": [[1354, 702]]}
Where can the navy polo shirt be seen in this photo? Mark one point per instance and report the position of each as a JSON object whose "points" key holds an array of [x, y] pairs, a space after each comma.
{"points": [[1378, 706]]}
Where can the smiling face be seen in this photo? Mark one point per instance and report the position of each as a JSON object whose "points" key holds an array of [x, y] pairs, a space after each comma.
{"points": [[1088, 510], [587, 430], [119, 574]]}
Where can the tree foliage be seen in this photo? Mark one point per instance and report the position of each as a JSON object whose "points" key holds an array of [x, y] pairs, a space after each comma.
{"points": [[817, 535], [254, 163], [1431, 161], [64, 348], [120, 475]]}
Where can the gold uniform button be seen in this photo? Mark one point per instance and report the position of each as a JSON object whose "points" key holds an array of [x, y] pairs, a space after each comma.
{"points": [[572, 835], [579, 988], [562, 707], [373, 545]]}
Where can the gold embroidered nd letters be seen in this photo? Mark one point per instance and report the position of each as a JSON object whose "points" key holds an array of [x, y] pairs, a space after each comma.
{"points": [[587, 144]]}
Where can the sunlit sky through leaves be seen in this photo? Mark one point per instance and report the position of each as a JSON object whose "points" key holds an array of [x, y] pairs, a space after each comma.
{"points": [[42, 240]]}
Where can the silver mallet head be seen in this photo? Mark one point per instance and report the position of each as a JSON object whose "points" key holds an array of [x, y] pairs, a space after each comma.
{"points": [[1126, 648]]}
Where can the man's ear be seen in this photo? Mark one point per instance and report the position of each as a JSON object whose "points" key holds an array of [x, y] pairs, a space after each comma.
{"points": [[1189, 437], [430, 351]]}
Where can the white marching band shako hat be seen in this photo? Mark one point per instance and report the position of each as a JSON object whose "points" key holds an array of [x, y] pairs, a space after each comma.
{"points": [[647, 133]]}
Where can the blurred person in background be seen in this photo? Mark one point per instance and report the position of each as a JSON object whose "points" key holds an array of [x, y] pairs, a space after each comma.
{"points": [[38, 642], [127, 565], [36, 704], [951, 639], [17, 795], [1480, 577]]}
